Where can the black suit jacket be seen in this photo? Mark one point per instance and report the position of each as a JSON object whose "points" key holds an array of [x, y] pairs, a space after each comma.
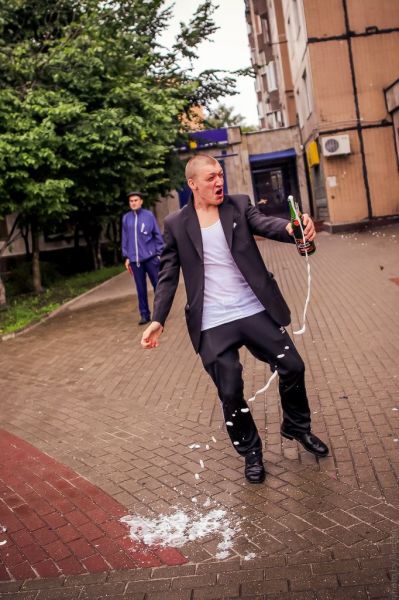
{"points": [[183, 249]]}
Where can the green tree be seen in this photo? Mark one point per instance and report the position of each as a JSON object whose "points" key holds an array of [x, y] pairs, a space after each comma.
{"points": [[12, 235], [224, 116], [89, 106]]}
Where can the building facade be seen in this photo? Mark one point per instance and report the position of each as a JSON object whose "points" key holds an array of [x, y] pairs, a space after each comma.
{"points": [[332, 69]]}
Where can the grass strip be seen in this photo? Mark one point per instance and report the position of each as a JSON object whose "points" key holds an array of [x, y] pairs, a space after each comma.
{"points": [[26, 309]]}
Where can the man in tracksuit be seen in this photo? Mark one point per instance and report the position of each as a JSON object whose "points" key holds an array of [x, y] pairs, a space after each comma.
{"points": [[142, 245]]}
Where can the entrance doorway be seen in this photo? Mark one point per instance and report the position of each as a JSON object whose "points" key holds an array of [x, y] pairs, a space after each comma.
{"points": [[273, 181]]}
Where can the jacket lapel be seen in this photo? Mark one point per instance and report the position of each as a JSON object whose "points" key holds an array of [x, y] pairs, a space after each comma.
{"points": [[193, 227], [226, 213]]}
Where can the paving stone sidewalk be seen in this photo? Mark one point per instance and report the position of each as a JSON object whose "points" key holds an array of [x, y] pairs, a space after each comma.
{"points": [[120, 421]]}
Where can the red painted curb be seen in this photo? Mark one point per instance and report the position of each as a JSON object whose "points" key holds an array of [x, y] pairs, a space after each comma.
{"points": [[58, 523]]}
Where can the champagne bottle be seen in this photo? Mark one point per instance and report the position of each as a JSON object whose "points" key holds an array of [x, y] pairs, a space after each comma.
{"points": [[304, 247]]}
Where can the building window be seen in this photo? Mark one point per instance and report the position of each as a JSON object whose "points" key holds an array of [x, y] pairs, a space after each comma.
{"points": [[296, 22], [271, 121], [258, 24], [279, 118], [271, 76], [265, 30]]}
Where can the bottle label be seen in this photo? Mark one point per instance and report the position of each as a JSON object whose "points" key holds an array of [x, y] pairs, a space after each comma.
{"points": [[304, 247]]}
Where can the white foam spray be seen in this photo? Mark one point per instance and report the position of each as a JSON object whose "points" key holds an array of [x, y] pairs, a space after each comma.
{"points": [[303, 328]]}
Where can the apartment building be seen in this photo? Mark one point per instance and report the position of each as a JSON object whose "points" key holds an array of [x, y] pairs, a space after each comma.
{"points": [[331, 67]]}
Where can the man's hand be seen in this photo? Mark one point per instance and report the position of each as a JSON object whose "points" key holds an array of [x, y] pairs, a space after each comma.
{"points": [[309, 229], [127, 264], [151, 335]]}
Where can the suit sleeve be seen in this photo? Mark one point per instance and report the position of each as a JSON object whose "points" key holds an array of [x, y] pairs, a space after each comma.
{"points": [[168, 278], [273, 228]]}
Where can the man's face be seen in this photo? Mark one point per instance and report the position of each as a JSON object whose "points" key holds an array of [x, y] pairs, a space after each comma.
{"points": [[207, 184], [135, 202]]}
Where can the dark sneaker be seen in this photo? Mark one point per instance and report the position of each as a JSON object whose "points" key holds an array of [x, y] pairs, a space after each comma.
{"points": [[144, 321], [309, 441], [254, 469]]}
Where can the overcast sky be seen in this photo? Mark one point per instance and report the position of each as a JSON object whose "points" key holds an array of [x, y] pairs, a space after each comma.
{"points": [[228, 50]]}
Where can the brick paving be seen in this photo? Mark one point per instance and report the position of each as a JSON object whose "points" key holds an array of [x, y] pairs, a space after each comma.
{"points": [[80, 391], [58, 523]]}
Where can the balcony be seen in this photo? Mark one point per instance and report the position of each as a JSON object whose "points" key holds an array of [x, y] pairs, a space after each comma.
{"points": [[268, 50], [260, 7], [275, 100]]}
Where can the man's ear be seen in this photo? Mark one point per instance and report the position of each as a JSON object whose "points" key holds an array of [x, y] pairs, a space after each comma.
{"points": [[191, 184]]}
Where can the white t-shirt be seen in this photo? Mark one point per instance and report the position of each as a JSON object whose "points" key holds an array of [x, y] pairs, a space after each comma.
{"points": [[227, 296]]}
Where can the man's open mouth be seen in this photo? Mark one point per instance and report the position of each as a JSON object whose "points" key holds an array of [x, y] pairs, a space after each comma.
{"points": [[219, 192]]}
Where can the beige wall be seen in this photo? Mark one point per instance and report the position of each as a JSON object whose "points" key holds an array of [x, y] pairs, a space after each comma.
{"points": [[165, 206], [384, 14], [376, 61], [332, 84], [395, 118], [382, 170], [347, 201], [330, 90], [324, 18]]}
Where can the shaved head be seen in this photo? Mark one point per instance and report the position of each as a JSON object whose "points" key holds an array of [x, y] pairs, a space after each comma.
{"points": [[198, 161], [205, 178]]}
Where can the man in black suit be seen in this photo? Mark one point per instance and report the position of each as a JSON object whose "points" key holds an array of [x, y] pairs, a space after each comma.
{"points": [[232, 301]]}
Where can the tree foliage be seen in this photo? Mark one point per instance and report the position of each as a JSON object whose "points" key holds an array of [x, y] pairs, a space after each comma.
{"points": [[224, 116], [90, 104]]}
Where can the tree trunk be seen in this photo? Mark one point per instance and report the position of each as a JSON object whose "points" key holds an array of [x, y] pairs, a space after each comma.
{"points": [[3, 297], [97, 231], [24, 229], [115, 241], [99, 258], [76, 237], [92, 234], [36, 274], [112, 235], [93, 253]]}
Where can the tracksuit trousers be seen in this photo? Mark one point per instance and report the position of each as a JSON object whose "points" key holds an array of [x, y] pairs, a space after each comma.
{"points": [[140, 270]]}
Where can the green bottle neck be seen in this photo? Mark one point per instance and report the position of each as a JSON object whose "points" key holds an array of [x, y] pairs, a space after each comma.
{"points": [[294, 216]]}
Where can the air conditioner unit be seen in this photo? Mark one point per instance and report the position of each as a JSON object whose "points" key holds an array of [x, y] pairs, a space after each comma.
{"points": [[335, 145]]}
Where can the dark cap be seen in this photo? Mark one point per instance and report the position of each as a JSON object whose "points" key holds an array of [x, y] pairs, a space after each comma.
{"points": [[133, 193]]}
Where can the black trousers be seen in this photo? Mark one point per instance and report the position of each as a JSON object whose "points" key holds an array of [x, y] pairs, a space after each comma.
{"points": [[268, 342]]}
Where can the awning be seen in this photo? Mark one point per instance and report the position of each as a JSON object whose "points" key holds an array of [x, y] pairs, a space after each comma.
{"points": [[278, 155]]}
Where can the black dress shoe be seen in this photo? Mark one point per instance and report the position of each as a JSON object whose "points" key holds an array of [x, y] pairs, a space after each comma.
{"points": [[144, 321], [254, 469], [309, 441]]}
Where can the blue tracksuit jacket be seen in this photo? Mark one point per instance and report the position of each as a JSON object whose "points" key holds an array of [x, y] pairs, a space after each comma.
{"points": [[141, 237]]}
